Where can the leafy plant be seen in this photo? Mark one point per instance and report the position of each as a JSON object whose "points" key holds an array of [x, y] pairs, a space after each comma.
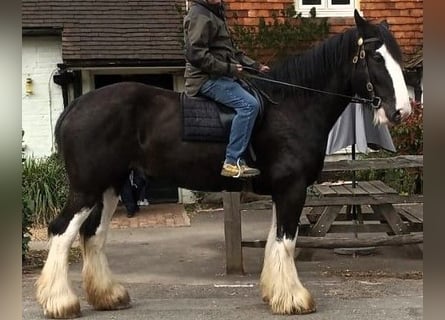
{"points": [[408, 136], [45, 187], [408, 139], [26, 215], [26, 224], [288, 32]]}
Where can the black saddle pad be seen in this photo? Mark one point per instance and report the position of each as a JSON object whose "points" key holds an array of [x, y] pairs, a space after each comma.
{"points": [[205, 120]]}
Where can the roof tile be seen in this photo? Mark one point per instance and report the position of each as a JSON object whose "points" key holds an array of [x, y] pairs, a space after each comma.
{"points": [[111, 29]]}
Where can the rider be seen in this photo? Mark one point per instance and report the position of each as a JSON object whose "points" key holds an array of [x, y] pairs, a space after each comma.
{"points": [[212, 66]]}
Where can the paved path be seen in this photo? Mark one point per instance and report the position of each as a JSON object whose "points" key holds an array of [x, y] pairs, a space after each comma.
{"points": [[158, 215], [178, 273]]}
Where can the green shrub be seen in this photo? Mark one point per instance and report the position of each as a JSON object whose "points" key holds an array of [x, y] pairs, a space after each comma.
{"points": [[288, 33], [408, 139], [408, 136], [26, 225], [45, 188], [26, 215], [404, 180]]}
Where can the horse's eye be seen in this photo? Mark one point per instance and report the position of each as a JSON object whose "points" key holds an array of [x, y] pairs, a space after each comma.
{"points": [[378, 57]]}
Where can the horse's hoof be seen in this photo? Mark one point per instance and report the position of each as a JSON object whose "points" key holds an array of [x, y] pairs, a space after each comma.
{"points": [[116, 298], [56, 305], [119, 304], [308, 311], [299, 303], [61, 312], [296, 310], [116, 303]]}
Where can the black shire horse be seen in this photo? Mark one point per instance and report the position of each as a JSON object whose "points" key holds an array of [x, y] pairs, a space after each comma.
{"points": [[106, 131]]}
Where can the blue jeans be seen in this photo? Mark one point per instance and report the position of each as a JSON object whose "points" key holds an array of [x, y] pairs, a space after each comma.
{"points": [[230, 93]]}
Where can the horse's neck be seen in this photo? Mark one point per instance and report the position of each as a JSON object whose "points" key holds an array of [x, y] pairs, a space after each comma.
{"points": [[329, 111], [324, 109], [313, 118], [327, 68], [329, 105]]}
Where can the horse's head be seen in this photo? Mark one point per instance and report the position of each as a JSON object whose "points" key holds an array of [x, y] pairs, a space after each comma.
{"points": [[378, 73]]}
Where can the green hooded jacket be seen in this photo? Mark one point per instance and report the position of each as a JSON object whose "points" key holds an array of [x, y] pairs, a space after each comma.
{"points": [[209, 50]]}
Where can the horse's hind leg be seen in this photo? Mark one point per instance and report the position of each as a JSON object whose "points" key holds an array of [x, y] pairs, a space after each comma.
{"points": [[280, 284], [103, 292], [54, 292]]}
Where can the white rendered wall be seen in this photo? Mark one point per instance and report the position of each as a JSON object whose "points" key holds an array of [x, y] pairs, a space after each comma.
{"points": [[40, 110]]}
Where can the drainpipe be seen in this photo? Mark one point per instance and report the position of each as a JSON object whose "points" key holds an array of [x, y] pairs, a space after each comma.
{"points": [[63, 77]]}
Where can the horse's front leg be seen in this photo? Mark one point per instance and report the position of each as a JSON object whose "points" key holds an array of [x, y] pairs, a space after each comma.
{"points": [[103, 292], [54, 291], [280, 284]]}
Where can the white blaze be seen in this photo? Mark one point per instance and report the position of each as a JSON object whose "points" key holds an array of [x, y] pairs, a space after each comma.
{"points": [[400, 89]]}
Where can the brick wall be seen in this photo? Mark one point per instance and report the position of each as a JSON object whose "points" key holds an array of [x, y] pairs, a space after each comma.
{"points": [[405, 17], [248, 12], [40, 56]]}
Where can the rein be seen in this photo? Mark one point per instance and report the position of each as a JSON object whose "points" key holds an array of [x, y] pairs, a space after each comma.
{"points": [[374, 102]]}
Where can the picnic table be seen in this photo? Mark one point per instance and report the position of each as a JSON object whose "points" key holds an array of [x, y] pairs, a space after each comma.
{"points": [[365, 207]]}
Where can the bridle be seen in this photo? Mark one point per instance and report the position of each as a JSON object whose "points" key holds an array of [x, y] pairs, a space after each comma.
{"points": [[373, 101], [359, 59]]}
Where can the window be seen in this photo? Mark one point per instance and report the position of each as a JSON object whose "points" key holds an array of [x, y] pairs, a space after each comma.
{"points": [[327, 8]]}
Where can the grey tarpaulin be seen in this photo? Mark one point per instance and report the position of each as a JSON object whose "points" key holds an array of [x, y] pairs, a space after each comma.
{"points": [[362, 131], [355, 128]]}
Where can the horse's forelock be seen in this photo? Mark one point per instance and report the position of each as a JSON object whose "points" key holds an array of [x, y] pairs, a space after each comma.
{"points": [[391, 43]]}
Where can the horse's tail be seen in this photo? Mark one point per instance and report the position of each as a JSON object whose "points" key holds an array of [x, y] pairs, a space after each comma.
{"points": [[59, 122]]}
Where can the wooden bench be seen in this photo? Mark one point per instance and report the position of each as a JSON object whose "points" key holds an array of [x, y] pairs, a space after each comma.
{"points": [[382, 207]]}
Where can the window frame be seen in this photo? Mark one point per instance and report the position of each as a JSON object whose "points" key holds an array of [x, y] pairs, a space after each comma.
{"points": [[327, 9]]}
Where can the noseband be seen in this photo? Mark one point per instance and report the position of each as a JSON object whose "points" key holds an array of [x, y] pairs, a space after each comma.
{"points": [[359, 61]]}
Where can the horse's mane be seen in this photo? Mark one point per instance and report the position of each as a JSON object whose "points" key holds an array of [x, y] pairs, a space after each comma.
{"points": [[312, 67]]}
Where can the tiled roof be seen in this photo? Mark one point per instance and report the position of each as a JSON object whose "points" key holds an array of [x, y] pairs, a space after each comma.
{"points": [[111, 31]]}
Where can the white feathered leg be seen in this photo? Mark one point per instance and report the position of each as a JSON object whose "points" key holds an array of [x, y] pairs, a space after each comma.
{"points": [[103, 292], [54, 290], [280, 285]]}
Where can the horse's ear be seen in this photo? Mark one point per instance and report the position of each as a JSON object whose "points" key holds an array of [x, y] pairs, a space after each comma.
{"points": [[359, 21], [385, 24]]}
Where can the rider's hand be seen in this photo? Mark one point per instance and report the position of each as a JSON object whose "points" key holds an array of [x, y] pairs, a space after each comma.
{"points": [[264, 68], [239, 68]]}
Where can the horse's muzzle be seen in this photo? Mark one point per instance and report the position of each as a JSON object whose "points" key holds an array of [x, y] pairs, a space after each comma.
{"points": [[396, 117]]}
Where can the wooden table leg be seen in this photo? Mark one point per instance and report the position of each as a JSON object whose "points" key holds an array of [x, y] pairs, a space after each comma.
{"points": [[232, 233], [392, 217], [321, 227]]}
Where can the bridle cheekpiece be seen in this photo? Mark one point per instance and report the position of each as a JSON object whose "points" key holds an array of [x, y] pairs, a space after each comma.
{"points": [[374, 101]]}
